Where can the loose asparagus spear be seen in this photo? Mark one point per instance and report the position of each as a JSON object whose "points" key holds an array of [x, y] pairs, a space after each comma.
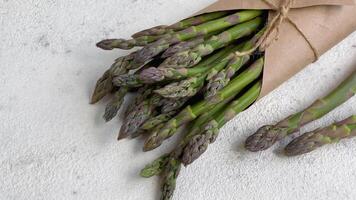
{"points": [[334, 133], [193, 21], [266, 136], [192, 57], [199, 143], [161, 45], [192, 112]]}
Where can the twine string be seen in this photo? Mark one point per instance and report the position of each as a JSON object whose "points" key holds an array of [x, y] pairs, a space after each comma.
{"points": [[274, 26]]}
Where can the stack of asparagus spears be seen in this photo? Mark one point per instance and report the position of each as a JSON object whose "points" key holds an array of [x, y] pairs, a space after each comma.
{"points": [[266, 136], [184, 74]]}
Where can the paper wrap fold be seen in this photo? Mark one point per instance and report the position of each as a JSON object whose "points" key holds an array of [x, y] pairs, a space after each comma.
{"points": [[324, 22]]}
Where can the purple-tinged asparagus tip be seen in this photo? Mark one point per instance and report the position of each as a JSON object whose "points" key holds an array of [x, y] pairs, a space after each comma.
{"points": [[263, 139], [151, 75], [105, 44]]}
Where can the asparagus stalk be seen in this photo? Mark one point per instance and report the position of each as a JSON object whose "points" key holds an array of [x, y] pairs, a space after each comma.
{"points": [[200, 142], [157, 120], [193, 21], [170, 175], [164, 43], [156, 167], [197, 20], [180, 47], [219, 79], [192, 112], [192, 57], [334, 133], [189, 87], [185, 88], [266, 136], [110, 44], [154, 31], [186, 45], [152, 74]]}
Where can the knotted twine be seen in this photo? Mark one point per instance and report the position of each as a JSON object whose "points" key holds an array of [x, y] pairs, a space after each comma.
{"points": [[273, 26]]}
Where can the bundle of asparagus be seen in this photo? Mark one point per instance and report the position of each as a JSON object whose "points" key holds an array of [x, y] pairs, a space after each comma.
{"points": [[266, 136], [184, 74]]}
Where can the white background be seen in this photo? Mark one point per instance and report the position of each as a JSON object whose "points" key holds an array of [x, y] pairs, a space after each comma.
{"points": [[54, 145]]}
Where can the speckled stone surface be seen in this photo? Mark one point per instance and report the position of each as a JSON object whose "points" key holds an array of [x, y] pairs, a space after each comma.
{"points": [[54, 145]]}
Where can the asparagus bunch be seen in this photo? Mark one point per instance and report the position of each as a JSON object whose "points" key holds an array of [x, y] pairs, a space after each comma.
{"points": [[183, 74], [266, 136]]}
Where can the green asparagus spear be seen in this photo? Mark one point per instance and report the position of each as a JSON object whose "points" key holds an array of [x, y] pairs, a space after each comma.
{"points": [[170, 175], [266, 136], [199, 143], [192, 112], [159, 119], [197, 20], [153, 74], [186, 45], [185, 88], [334, 133], [110, 44], [154, 31], [164, 43], [114, 106], [105, 84], [182, 46], [138, 116], [219, 79], [193, 21], [103, 87], [192, 57], [191, 86], [142, 94], [155, 168], [169, 105]]}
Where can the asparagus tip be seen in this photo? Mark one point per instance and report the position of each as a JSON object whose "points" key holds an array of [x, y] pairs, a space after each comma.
{"points": [[151, 75], [302, 145], [105, 44], [264, 138]]}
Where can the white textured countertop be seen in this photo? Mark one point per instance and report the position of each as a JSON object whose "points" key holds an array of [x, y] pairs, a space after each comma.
{"points": [[54, 145]]}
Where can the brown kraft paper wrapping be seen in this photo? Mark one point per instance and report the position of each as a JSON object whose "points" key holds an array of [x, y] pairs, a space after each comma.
{"points": [[324, 22]]}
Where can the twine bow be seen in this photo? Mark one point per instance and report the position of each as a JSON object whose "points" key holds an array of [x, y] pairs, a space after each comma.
{"points": [[273, 26]]}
